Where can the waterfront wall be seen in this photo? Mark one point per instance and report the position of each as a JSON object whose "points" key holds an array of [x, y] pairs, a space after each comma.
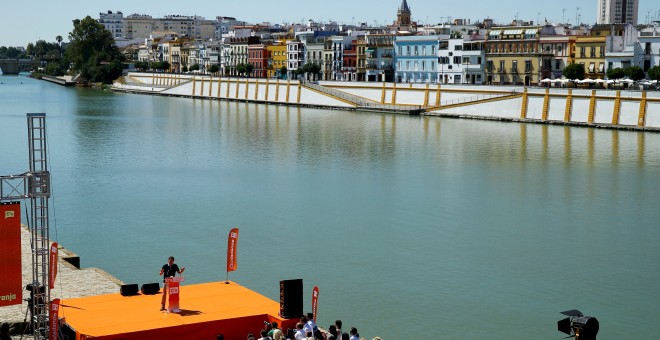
{"points": [[242, 89], [598, 108]]}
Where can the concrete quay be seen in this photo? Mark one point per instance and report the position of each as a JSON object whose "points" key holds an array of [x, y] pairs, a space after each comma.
{"points": [[71, 282]]}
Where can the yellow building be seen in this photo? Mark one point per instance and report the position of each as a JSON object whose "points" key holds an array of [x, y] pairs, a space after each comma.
{"points": [[278, 58], [589, 51], [361, 48], [513, 56]]}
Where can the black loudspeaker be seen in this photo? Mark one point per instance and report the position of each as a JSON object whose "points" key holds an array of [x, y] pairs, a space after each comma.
{"points": [[128, 290], [150, 288], [291, 298]]}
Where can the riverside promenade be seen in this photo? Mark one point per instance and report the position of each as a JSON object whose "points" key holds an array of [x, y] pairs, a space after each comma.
{"points": [[71, 282]]}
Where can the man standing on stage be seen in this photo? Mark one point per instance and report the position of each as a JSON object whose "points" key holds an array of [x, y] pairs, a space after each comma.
{"points": [[169, 270]]}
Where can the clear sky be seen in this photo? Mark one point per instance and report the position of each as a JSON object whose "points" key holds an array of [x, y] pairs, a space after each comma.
{"points": [[22, 23]]}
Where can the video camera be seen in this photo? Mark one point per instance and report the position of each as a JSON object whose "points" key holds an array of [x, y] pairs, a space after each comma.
{"points": [[578, 325]]}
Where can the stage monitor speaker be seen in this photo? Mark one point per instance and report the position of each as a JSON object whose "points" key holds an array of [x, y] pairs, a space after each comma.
{"points": [[128, 290], [291, 298], [150, 288]]}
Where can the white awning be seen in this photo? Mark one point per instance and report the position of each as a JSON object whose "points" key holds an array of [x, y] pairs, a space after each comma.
{"points": [[494, 33], [601, 67], [513, 32], [591, 67], [531, 31]]}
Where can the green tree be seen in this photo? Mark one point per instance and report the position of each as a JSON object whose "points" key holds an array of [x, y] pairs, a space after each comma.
{"points": [[194, 67], [240, 69], [214, 69], [654, 73], [248, 69], [634, 72], [184, 68], [615, 73], [92, 51], [283, 71], [574, 71]]}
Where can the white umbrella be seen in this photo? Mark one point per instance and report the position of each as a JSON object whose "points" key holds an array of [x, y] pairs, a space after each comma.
{"points": [[598, 80], [629, 81], [546, 80], [588, 81], [558, 80], [609, 81]]}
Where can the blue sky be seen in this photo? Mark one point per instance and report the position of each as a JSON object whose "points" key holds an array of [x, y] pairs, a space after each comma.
{"points": [[45, 19]]}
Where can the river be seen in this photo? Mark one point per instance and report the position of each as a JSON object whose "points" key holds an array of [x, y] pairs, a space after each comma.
{"points": [[411, 227]]}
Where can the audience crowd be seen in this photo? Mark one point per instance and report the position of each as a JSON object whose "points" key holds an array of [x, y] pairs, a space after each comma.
{"points": [[306, 329]]}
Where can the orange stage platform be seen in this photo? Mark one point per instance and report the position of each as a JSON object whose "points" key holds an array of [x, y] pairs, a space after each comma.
{"points": [[207, 309]]}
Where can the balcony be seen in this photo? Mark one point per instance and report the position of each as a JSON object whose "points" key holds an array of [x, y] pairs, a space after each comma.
{"points": [[514, 70], [501, 70]]}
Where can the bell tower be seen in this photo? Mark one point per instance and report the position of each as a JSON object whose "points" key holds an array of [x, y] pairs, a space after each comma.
{"points": [[403, 15]]}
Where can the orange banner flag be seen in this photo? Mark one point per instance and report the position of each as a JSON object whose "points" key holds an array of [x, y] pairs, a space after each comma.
{"points": [[315, 301], [53, 319], [232, 245], [11, 284], [53, 265]]}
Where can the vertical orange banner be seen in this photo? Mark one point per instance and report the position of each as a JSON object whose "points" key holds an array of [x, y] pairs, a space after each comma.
{"points": [[315, 301], [53, 265], [11, 284], [232, 245], [53, 319]]}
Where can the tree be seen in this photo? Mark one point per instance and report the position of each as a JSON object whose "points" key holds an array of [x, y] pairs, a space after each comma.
{"points": [[248, 69], [634, 72], [184, 68], [90, 45], [615, 73], [574, 71], [283, 71], [194, 67], [654, 73], [214, 68]]}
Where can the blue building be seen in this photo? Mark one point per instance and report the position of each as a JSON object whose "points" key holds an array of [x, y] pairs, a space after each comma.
{"points": [[416, 59]]}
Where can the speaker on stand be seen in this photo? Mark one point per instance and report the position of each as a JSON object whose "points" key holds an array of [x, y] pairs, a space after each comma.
{"points": [[291, 298]]}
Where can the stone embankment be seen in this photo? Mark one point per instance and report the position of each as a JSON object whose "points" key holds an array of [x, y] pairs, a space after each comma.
{"points": [[71, 282]]}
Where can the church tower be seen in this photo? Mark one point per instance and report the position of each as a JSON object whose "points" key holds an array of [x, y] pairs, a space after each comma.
{"points": [[403, 15]]}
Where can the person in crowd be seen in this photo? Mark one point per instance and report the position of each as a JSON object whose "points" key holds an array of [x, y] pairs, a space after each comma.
{"points": [[169, 269], [338, 325], [290, 334], [273, 327], [318, 335], [354, 334], [345, 336], [310, 325], [278, 335], [332, 333], [264, 335], [300, 333], [309, 336]]}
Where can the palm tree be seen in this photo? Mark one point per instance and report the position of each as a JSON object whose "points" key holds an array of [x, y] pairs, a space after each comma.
{"points": [[59, 43]]}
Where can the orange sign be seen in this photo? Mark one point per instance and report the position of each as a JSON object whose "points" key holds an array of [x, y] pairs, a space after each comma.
{"points": [[11, 284], [53, 265], [53, 318], [232, 245], [315, 301]]}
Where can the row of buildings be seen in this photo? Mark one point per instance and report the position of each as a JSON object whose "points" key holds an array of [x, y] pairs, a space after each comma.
{"points": [[460, 53]]}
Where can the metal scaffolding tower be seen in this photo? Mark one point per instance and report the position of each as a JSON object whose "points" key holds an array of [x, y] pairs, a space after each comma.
{"points": [[35, 186]]}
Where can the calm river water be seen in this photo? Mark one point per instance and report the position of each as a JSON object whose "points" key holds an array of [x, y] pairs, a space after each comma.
{"points": [[412, 227]]}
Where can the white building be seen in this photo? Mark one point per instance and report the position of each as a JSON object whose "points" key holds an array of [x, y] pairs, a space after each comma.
{"points": [[617, 12], [113, 22], [649, 41]]}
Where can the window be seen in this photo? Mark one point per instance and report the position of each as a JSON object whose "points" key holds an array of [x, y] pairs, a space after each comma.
{"points": [[433, 50], [457, 60], [458, 47], [416, 50], [528, 66], [466, 60], [502, 65], [400, 50], [582, 54], [514, 67], [593, 52], [408, 50], [408, 65], [423, 50], [423, 66]]}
